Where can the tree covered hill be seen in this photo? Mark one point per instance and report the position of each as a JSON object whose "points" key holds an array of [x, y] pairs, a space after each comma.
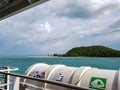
{"points": [[92, 51]]}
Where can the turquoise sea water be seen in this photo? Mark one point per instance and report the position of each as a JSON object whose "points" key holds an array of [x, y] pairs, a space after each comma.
{"points": [[23, 62]]}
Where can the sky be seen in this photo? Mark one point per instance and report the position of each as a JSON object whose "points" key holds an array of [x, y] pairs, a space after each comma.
{"points": [[57, 26]]}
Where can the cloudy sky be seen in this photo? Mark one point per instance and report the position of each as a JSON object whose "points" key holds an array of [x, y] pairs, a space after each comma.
{"points": [[59, 25]]}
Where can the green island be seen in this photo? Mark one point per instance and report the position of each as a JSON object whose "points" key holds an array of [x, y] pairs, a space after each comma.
{"points": [[91, 51]]}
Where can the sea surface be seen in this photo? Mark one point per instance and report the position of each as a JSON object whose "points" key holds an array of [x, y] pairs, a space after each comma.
{"points": [[24, 62]]}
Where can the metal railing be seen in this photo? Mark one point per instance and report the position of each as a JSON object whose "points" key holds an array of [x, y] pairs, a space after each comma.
{"points": [[15, 81]]}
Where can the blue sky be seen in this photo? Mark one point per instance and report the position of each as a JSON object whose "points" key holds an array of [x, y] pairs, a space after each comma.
{"points": [[59, 25]]}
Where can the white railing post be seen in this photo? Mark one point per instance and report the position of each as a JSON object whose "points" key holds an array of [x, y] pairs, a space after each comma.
{"points": [[7, 79], [119, 80], [16, 83]]}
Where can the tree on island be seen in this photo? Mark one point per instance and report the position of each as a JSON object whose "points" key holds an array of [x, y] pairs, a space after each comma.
{"points": [[91, 51]]}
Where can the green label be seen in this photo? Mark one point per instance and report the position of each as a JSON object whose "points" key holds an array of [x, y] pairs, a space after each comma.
{"points": [[97, 83]]}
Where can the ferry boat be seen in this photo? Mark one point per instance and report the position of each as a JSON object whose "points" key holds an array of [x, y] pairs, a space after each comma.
{"points": [[52, 77]]}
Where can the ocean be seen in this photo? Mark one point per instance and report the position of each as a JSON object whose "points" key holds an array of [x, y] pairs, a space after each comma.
{"points": [[24, 62]]}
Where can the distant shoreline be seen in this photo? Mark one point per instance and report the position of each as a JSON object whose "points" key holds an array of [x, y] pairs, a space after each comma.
{"points": [[53, 57], [88, 57]]}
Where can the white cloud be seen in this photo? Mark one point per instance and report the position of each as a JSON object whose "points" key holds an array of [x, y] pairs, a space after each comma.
{"points": [[46, 27], [57, 26]]}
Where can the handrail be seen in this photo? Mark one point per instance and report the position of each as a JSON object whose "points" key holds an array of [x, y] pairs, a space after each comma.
{"points": [[7, 68], [47, 81]]}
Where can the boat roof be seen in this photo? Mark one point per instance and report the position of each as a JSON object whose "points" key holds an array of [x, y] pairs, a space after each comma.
{"points": [[11, 7]]}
